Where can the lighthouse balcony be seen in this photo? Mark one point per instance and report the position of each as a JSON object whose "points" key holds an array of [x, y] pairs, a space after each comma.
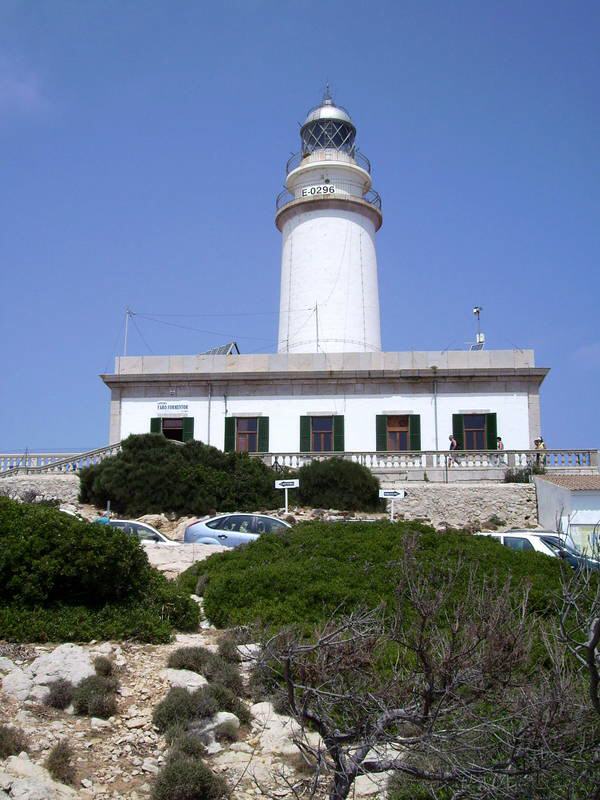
{"points": [[327, 192], [328, 154]]}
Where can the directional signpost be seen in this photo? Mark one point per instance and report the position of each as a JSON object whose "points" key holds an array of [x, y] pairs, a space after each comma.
{"points": [[392, 494], [292, 483]]}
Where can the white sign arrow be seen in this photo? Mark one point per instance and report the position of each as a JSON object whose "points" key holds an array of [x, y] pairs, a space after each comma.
{"points": [[392, 493], [289, 484]]}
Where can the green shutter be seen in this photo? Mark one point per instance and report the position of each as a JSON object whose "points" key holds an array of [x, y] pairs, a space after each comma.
{"points": [[491, 428], [338, 434], [414, 432], [458, 429], [188, 429], [305, 434], [156, 425], [229, 434], [381, 433], [263, 434]]}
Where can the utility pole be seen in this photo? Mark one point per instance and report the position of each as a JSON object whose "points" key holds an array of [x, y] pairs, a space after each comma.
{"points": [[128, 313], [317, 321]]}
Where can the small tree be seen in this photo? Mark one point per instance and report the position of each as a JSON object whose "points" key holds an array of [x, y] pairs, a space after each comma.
{"points": [[442, 689]]}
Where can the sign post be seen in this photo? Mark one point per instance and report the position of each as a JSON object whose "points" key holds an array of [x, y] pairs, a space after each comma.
{"points": [[392, 494], [292, 483]]}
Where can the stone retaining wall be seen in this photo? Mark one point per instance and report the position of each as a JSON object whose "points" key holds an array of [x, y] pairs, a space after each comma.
{"points": [[469, 505], [64, 488]]}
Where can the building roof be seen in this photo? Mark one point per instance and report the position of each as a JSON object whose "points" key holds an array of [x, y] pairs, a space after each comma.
{"points": [[576, 483]]}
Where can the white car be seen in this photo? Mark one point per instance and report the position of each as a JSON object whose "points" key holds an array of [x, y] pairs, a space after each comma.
{"points": [[143, 531], [533, 541]]}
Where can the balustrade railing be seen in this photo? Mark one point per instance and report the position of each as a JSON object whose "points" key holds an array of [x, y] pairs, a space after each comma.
{"points": [[328, 154], [495, 461], [37, 463]]}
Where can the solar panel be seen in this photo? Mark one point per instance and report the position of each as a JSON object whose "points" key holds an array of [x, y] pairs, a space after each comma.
{"points": [[228, 349]]}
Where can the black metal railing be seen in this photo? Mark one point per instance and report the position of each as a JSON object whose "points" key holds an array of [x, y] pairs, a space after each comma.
{"points": [[285, 197], [329, 155]]}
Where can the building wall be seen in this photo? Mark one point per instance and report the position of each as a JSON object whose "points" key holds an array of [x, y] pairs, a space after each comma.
{"points": [[285, 409], [573, 512]]}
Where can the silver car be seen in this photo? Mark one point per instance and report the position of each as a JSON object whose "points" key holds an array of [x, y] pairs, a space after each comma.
{"points": [[232, 530], [143, 531]]}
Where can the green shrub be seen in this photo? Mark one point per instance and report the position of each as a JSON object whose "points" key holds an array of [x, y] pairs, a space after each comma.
{"points": [[60, 763], [152, 474], [192, 658], [103, 666], [96, 696], [318, 569], [185, 778], [12, 742], [228, 675], [336, 483], [186, 745], [228, 650], [177, 709], [60, 694], [66, 580], [48, 557], [226, 700]]}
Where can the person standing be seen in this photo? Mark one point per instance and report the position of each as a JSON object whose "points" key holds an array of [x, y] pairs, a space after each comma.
{"points": [[453, 447], [500, 446]]}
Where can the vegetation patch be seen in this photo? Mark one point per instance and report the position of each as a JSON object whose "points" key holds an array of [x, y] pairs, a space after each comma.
{"points": [[60, 763], [318, 569], [60, 694], [152, 474], [337, 483], [185, 778], [12, 741], [66, 580], [96, 696]]}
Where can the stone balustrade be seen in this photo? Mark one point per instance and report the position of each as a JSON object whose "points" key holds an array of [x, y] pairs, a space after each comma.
{"points": [[438, 464], [36, 463]]}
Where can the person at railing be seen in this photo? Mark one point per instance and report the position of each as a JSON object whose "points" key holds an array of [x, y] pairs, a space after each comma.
{"points": [[500, 446], [539, 444], [452, 448]]}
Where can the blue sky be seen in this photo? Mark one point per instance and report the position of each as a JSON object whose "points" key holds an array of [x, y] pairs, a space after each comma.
{"points": [[143, 145]]}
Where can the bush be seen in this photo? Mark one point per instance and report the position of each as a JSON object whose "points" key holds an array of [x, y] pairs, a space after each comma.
{"points": [[66, 580], [60, 763], [228, 650], [336, 483], [192, 658], [318, 569], [96, 697], [12, 742], [60, 694], [228, 675], [177, 709], [186, 745], [152, 474], [48, 557], [226, 700], [103, 666], [184, 778]]}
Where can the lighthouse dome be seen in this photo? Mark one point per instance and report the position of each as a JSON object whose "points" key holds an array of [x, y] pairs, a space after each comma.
{"points": [[327, 127]]}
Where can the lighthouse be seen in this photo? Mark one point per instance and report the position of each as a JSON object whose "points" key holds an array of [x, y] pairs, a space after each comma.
{"points": [[328, 215]]}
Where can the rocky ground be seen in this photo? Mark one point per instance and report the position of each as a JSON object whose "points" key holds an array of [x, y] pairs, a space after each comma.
{"points": [[119, 757]]}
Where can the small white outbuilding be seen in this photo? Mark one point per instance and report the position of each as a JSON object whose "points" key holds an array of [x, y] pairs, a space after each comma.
{"points": [[571, 504]]}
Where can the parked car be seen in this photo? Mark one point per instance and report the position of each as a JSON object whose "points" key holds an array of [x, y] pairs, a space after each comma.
{"points": [[523, 541], [232, 530], [143, 531], [550, 543]]}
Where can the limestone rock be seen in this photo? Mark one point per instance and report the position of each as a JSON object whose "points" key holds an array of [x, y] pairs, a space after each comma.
{"points": [[17, 684], [6, 665], [184, 678], [276, 732], [24, 780], [68, 661], [224, 724]]}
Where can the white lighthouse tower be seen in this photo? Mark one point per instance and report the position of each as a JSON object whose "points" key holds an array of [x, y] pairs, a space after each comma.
{"points": [[328, 216]]}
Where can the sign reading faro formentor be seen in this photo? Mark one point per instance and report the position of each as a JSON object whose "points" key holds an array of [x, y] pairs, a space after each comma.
{"points": [[164, 408]]}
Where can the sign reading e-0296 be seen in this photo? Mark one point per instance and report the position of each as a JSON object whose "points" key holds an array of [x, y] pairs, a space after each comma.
{"points": [[314, 191]]}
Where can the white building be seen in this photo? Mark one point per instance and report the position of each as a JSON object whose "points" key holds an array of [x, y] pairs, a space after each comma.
{"points": [[330, 388], [571, 504]]}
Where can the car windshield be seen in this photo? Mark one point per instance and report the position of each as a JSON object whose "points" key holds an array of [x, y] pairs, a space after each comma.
{"points": [[559, 544]]}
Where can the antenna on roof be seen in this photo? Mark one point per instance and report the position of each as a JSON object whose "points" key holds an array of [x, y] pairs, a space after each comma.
{"points": [[479, 337]]}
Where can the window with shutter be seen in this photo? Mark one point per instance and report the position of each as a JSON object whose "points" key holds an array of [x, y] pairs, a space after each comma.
{"points": [[338, 434], [229, 434], [156, 425], [263, 434], [414, 432], [188, 429], [491, 432], [458, 430], [381, 433], [304, 434]]}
